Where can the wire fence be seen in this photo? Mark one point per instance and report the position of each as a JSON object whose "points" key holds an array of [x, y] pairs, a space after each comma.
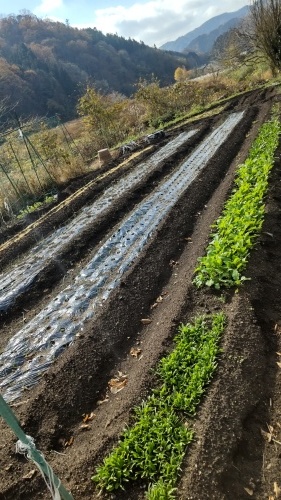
{"points": [[35, 157]]}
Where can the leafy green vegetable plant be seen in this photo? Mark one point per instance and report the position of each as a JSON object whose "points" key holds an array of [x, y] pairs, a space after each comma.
{"points": [[153, 448], [38, 204], [236, 230]]}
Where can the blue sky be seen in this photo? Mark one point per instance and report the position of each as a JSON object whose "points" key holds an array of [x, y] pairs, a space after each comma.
{"points": [[150, 21]]}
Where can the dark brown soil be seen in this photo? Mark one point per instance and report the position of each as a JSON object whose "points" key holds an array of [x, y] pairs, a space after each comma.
{"points": [[230, 458]]}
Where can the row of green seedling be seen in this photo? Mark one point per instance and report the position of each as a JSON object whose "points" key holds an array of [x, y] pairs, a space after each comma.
{"points": [[235, 232], [152, 449]]}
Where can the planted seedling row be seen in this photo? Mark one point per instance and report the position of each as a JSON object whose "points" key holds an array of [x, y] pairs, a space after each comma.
{"points": [[235, 232], [153, 448]]}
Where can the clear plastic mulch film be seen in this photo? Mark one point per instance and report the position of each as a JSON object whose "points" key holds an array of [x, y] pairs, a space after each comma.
{"points": [[35, 347], [17, 281]]}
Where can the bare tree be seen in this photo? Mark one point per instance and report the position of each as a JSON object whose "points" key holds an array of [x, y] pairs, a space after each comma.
{"points": [[264, 31]]}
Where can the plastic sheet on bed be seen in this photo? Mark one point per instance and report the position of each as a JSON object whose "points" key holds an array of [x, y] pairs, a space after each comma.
{"points": [[22, 276]]}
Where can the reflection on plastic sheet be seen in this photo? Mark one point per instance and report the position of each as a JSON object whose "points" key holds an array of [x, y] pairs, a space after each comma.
{"points": [[33, 349], [17, 281]]}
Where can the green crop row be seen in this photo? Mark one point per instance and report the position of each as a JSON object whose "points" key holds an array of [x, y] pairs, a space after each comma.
{"points": [[236, 230], [153, 448]]}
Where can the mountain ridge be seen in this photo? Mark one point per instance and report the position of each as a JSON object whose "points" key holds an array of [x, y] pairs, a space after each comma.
{"points": [[183, 42]]}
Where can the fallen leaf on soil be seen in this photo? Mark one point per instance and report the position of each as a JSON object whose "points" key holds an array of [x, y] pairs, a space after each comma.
{"points": [[267, 435], [158, 301], [116, 387], [101, 401], [118, 383], [278, 353], [270, 429], [89, 417], [146, 321], [277, 442], [69, 442], [250, 492], [30, 474], [135, 352], [277, 328], [15, 405], [278, 364], [277, 490], [85, 427], [154, 305], [108, 423]]}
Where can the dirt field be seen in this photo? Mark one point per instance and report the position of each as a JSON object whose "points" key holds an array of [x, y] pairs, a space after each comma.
{"points": [[230, 458]]}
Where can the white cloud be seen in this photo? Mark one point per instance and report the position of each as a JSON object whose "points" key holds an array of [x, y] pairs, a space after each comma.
{"points": [[158, 21], [48, 6]]}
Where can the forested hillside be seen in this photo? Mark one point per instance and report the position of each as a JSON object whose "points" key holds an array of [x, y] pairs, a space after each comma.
{"points": [[45, 65]]}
